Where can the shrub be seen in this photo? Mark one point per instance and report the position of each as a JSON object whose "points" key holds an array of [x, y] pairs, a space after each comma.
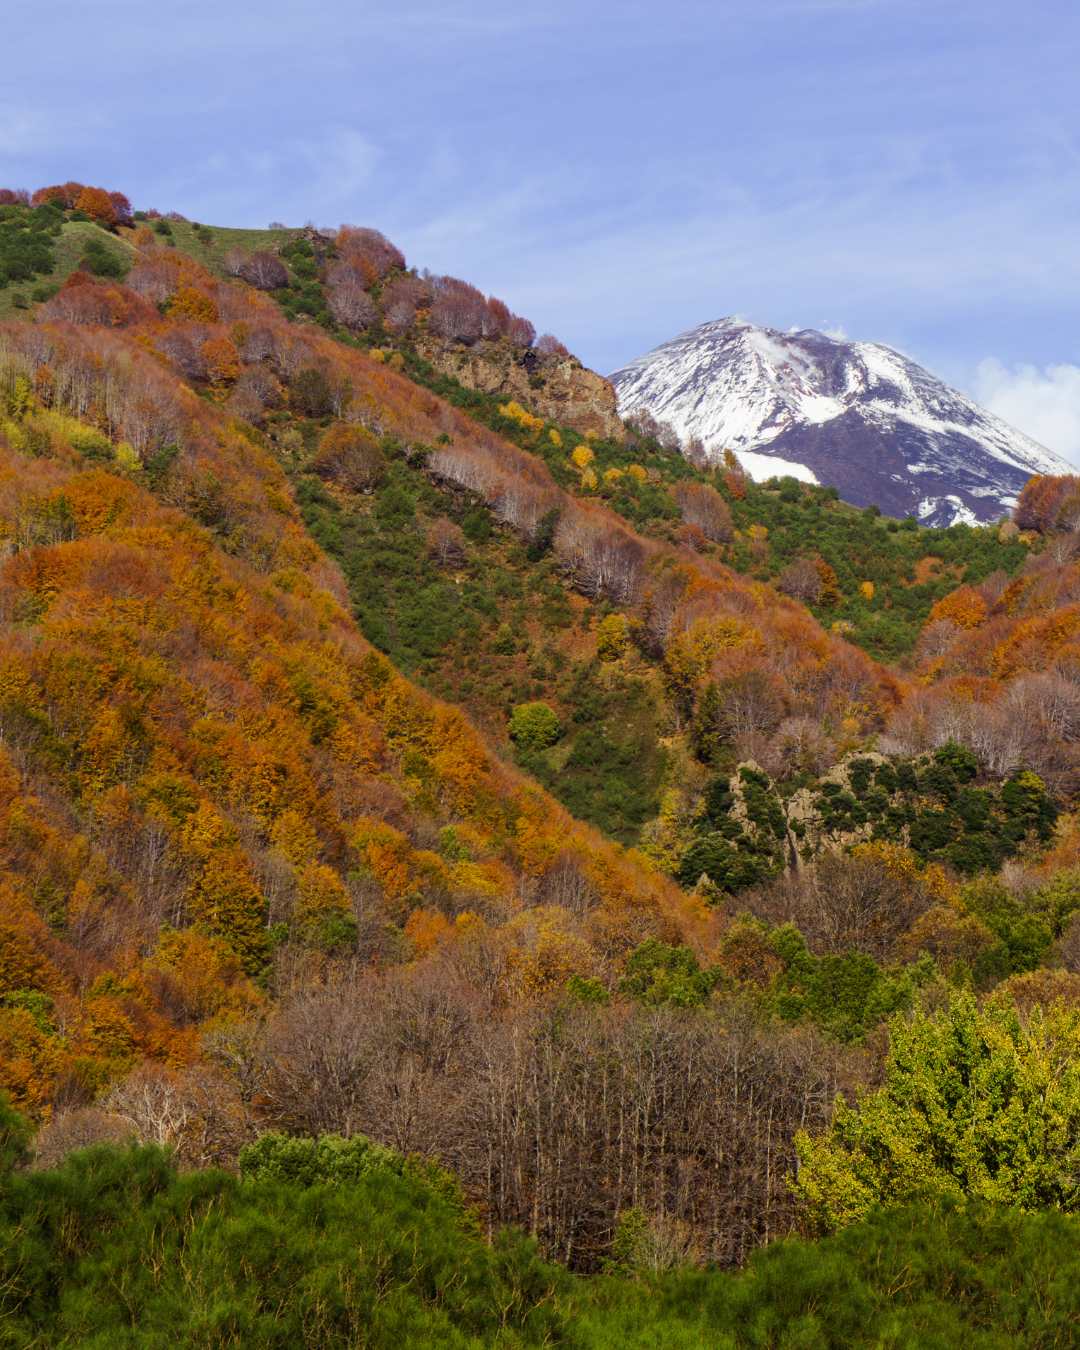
{"points": [[265, 271], [14, 1137], [102, 261], [312, 1162], [612, 637], [659, 975], [310, 392], [350, 457], [975, 1103], [534, 726]]}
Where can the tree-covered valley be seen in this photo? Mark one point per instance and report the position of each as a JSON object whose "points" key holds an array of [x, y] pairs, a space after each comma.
{"points": [[477, 871]]}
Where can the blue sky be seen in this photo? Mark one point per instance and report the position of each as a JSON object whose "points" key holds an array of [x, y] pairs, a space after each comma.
{"points": [[904, 170]]}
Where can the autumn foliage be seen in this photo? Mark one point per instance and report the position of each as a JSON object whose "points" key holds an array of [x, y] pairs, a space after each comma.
{"points": [[241, 764], [1049, 503], [254, 876], [107, 208]]}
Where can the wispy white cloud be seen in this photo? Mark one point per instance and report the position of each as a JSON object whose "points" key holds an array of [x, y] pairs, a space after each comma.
{"points": [[20, 132], [614, 283], [330, 172], [27, 132], [618, 172], [1045, 403]]}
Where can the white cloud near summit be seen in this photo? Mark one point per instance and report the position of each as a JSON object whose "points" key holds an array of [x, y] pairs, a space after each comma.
{"points": [[1044, 403]]}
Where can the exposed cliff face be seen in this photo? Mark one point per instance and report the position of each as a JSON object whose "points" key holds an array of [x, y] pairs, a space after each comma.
{"points": [[556, 387], [812, 817]]}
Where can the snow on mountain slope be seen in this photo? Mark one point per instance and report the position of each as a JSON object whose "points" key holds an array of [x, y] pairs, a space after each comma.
{"points": [[856, 415]]}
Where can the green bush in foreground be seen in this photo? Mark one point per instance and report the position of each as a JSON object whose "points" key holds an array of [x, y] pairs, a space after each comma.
{"points": [[925, 1277], [115, 1248], [976, 1102]]}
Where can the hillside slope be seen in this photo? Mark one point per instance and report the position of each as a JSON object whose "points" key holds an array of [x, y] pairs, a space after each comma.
{"points": [[204, 762], [255, 878], [444, 335], [193, 720]]}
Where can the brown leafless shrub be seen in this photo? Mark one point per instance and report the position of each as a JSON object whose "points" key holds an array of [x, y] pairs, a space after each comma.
{"points": [[520, 332], [936, 640], [183, 347], [78, 1128], [197, 1112], [259, 344], [84, 305], [1033, 723], [401, 299], [600, 558], [567, 885], [446, 543], [264, 270], [369, 251], [155, 279], [318, 1052], [348, 298], [549, 346], [458, 311], [703, 506], [799, 745], [843, 903], [254, 392], [690, 1118], [801, 580]]}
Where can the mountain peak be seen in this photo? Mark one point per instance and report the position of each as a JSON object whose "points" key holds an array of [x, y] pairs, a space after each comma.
{"points": [[857, 415]]}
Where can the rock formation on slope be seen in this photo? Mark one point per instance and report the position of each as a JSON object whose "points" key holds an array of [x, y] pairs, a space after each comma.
{"points": [[559, 388]]}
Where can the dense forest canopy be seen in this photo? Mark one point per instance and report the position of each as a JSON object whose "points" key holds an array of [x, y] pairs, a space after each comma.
{"points": [[444, 824]]}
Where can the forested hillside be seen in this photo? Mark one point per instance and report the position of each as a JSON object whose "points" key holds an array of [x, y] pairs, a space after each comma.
{"points": [[874, 578], [383, 756]]}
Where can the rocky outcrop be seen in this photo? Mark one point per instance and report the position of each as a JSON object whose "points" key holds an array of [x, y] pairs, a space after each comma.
{"points": [[559, 388], [825, 817]]}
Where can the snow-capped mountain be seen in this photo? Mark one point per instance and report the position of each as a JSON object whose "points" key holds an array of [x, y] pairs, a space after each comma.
{"points": [[854, 415]]}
